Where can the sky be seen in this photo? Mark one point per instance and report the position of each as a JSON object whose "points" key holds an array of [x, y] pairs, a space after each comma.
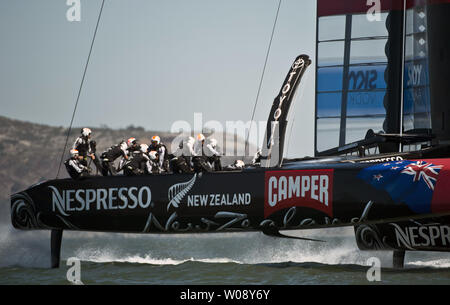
{"points": [[155, 62]]}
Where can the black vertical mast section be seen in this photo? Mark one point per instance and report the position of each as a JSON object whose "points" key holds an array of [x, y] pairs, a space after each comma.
{"points": [[439, 69], [393, 77], [345, 79], [315, 80]]}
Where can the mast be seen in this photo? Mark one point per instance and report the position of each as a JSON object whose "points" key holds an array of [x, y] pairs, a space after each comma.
{"points": [[394, 77], [438, 23], [395, 80]]}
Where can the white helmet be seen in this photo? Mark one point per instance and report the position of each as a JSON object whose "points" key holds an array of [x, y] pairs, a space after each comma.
{"points": [[131, 141], [200, 137], [153, 154], [213, 142], [143, 148], [240, 164], [85, 132], [74, 152], [156, 139]]}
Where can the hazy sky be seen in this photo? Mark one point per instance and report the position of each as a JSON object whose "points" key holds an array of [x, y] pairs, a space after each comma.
{"points": [[154, 62]]}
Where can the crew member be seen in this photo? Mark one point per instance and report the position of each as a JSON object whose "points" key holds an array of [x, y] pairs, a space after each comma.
{"points": [[213, 155], [132, 146], [75, 166], [110, 155], [161, 152], [154, 162], [257, 158], [237, 165], [198, 145], [139, 163], [181, 162], [187, 150], [199, 160], [86, 147]]}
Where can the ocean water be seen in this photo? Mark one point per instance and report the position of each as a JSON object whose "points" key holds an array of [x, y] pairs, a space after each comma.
{"points": [[209, 259]]}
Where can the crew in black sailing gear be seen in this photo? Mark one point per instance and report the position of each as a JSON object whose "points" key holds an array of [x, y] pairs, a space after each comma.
{"points": [[162, 153], [257, 158], [139, 162], [75, 166], [213, 155], [87, 148], [110, 155], [132, 146], [237, 165], [200, 160], [154, 162], [181, 161]]}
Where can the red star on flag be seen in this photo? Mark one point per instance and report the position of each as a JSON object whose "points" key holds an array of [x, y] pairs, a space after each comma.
{"points": [[378, 177]]}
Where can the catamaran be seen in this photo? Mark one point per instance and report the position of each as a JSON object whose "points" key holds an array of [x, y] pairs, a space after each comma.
{"points": [[381, 164]]}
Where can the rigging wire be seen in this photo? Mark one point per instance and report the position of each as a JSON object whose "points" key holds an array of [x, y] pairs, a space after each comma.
{"points": [[262, 76], [81, 86]]}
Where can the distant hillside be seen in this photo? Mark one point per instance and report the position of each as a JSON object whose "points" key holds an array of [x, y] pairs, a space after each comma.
{"points": [[32, 152]]}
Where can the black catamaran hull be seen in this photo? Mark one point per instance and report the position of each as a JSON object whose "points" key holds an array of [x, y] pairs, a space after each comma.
{"points": [[297, 196]]}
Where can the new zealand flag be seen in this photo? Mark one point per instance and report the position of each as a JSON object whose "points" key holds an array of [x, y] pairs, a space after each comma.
{"points": [[408, 182]]}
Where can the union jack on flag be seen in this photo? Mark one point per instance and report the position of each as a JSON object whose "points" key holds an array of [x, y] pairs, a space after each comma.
{"points": [[427, 171], [408, 182]]}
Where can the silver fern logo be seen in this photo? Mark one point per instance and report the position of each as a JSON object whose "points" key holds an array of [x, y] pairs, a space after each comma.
{"points": [[177, 192]]}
